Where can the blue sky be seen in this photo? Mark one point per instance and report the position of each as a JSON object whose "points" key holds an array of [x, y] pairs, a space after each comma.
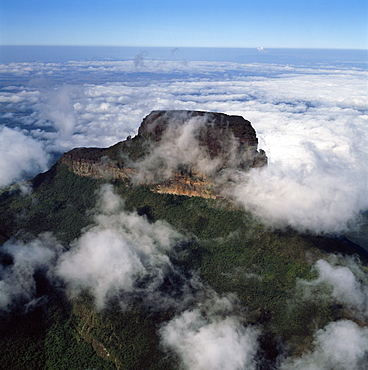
{"points": [[178, 23]]}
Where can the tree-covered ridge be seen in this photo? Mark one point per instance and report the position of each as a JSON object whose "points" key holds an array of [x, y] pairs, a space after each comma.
{"points": [[227, 248]]}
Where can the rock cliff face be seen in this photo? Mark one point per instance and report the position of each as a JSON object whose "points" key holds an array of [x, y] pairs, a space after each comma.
{"points": [[99, 167], [193, 185], [187, 151]]}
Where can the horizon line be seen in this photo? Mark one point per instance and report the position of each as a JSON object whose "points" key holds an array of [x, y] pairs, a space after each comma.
{"points": [[185, 47]]}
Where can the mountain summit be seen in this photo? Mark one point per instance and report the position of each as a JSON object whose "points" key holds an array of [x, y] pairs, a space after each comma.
{"points": [[177, 152], [220, 134]]}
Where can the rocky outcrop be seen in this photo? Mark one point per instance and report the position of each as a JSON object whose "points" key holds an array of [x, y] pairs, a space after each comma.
{"points": [[223, 142], [98, 168], [192, 185]]}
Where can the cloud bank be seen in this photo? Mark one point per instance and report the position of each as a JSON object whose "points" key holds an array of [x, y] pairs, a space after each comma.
{"points": [[310, 120]]}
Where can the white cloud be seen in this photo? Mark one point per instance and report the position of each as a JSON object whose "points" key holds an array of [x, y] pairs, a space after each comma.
{"points": [[57, 106], [21, 156], [346, 281], [311, 121], [323, 196], [179, 145], [210, 337], [17, 281], [341, 345], [345, 286], [119, 250], [122, 255]]}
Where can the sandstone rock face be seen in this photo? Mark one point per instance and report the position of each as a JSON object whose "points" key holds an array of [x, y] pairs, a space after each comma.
{"points": [[192, 185], [99, 167], [189, 152]]}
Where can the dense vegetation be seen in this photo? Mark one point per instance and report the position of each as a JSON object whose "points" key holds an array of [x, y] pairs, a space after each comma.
{"points": [[229, 249], [58, 203], [234, 252]]}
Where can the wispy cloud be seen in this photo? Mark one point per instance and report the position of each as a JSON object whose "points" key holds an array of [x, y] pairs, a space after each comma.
{"points": [[340, 279], [17, 280], [57, 107], [123, 255]]}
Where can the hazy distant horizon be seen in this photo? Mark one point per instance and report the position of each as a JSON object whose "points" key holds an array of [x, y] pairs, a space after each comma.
{"points": [[59, 53]]}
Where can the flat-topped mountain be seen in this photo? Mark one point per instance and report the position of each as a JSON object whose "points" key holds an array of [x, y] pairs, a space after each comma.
{"points": [[213, 125], [182, 152]]}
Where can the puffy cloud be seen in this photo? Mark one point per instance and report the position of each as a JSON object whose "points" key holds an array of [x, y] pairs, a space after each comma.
{"points": [[323, 196], [121, 255], [17, 280], [345, 286], [21, 156], [210, 337], [121, 249], [341, 345], [346, 282]]}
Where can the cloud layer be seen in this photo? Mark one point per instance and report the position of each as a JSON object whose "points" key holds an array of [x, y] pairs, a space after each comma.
{"points": [[310, 121]]}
